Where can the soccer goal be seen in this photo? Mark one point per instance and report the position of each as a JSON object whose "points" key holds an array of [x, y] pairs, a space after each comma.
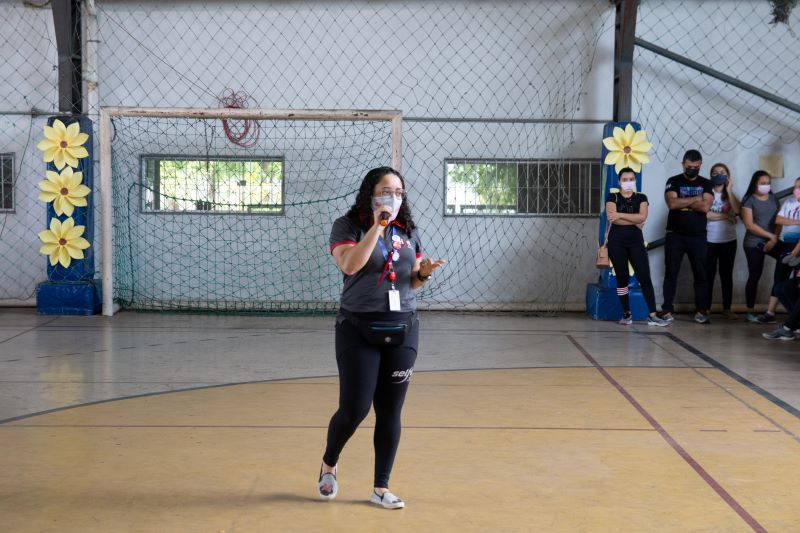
{"points": [[229, 209]]}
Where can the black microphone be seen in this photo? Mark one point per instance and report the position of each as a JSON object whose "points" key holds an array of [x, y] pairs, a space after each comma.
{"points": [[385, 219]]}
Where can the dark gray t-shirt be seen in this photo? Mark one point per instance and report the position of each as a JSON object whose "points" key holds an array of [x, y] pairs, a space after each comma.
{"points": [[362, 293], [763, 216]]}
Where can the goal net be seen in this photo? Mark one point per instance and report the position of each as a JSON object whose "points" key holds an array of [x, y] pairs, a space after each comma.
{"points": [[230, 210]]}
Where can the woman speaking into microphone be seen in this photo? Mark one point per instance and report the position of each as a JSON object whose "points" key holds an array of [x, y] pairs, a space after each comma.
{"points": [[377, 247]]}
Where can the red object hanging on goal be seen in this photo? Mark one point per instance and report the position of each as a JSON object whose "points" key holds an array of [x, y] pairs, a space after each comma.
{"points": [[244, 133]]}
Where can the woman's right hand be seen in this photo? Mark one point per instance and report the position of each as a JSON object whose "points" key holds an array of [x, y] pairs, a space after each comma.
{"points": [[376, 215], [770, 244]]}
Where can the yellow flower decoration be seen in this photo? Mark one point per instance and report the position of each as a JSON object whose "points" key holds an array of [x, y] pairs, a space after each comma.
{"points": [[627, 148], [63, 145], [64, 190], [63, 242]]}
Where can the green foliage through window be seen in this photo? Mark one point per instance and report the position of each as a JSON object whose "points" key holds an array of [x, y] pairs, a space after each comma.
{"points": [[212, 185], [522, 187]]}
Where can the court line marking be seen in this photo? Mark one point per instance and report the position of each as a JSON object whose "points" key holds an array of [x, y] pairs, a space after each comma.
{"points": [[29, 330], [730, 373], [301, 426], [680, 450], [748, 405], [269, 380], [691, 349]]}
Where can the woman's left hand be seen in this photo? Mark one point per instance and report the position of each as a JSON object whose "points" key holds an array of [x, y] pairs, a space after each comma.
{"points": [[426, 266]]}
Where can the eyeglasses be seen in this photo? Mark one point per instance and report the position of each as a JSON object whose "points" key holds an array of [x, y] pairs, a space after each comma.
{"points": [[397, 193]]}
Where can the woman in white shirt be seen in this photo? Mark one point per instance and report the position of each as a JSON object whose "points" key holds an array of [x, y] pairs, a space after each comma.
{"points": [[721, 236], [789, 220]]}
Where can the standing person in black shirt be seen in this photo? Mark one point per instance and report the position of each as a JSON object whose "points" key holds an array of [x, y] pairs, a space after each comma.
{"points": [[689, 197], [626, 211]]}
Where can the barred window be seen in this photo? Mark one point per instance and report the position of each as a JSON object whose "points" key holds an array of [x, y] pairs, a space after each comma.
{"points": [[6, 182], [212, 185], [493, 187]]}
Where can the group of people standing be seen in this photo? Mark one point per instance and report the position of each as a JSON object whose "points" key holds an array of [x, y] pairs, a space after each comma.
{"points": [[701, 224], [378, 249]]}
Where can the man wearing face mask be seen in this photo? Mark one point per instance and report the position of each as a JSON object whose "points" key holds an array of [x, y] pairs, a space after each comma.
{"points": [[689, 197]]}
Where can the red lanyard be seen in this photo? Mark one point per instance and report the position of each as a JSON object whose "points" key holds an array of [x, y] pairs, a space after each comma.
{"points": [[388, 256]]}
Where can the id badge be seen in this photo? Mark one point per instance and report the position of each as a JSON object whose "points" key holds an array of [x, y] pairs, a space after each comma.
{"points": [[394, 300]]}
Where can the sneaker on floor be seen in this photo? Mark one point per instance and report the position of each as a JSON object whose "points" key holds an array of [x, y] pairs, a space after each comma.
{"points": [[627, 319], [666, 315], [387, 500], [782, 333], [701, 318], [730, 315], [766, 318], [752, 318], [657, 321], [327, 487]]}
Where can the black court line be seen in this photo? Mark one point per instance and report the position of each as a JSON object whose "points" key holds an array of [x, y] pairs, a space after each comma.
{"points": [[730, 373], [756, 410], [272, 380], [708, 359], [29, 330], [670, 440]]}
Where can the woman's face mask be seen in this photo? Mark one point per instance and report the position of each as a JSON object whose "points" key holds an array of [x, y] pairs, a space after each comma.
{"points": [[764, 188], [390, 201], [627, 186], [719, 179]]}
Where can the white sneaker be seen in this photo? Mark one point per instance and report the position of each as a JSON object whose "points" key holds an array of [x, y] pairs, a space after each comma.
{"points": [[387, 501], [327, 487]]}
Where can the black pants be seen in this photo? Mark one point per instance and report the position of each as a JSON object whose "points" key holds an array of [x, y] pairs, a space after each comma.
{"points": [[675, 246], [723, 253], [788, 292], [626, 244], [371, 375], [755, 266]]}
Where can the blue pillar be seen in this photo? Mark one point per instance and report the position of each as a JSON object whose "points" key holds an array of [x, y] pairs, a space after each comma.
{"points": [[602, 302], [73, 290]]}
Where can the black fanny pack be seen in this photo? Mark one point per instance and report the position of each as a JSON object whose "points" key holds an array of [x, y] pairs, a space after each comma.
{"points": [[381, 332]]}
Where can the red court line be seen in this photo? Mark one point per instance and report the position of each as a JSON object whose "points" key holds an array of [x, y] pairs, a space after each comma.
{"points": [[702, 472]]}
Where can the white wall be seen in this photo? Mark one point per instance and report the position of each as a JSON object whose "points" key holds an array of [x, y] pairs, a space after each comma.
{"points": [[450, 59]]}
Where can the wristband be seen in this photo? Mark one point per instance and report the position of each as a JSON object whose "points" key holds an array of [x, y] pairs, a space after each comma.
{"points": [[423, 278]]}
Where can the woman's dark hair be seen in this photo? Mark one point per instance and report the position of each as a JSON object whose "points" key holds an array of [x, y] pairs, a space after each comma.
{"points": [[361, 211], [727, 173], [751, 189]]}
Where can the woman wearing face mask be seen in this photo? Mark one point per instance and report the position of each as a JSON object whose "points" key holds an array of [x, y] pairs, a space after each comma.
{"points": [[721, 236], [626, 212], [788, 219], [377, 247], [759, 209]]}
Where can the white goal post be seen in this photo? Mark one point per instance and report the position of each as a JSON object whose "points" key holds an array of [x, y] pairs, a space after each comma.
{"points": [[105, 138]]}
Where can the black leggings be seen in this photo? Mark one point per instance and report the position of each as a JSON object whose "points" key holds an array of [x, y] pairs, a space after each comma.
{"points": [[724, 253], [788, 292], [626, 244], [755, 266], [371, 375]]}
